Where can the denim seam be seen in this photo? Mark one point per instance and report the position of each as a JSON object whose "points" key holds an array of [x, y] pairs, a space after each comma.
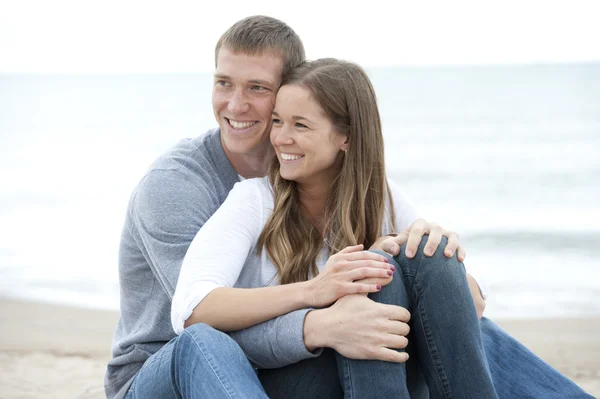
{"points": [[432, 347], [348, 376], [210, 363]]}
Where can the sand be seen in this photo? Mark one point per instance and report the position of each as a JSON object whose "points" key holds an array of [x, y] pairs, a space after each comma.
{"points": [[61, 352]]}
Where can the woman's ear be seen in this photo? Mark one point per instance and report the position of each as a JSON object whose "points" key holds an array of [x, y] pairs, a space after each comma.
{"points": [[345, 144]]}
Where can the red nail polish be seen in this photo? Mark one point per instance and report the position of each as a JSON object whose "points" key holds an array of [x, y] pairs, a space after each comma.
{"points": [[378, 287], [393, 268], [390, 272], [385, 260]]}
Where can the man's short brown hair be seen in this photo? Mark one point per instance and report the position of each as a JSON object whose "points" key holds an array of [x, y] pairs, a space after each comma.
{"points": [[258, 33]]}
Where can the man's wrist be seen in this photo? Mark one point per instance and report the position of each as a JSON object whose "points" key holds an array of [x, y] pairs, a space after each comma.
{"points": [[314, 333]]}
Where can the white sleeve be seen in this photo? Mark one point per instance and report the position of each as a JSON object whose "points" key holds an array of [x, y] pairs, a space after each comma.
{"points": [[406, 214], [219, 251]]}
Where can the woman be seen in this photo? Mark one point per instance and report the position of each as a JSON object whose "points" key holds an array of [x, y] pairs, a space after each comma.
{"points": [[295, 240]]}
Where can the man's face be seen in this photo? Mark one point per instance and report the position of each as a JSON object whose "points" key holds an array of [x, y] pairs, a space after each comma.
{"points": [[244, 91]]}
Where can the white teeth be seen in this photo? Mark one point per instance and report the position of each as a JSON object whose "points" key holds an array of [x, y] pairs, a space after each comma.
{"points": [[290, 157], [240, 125]]}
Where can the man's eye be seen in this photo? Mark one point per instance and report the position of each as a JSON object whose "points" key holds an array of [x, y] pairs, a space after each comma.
{"points": [[223, 83], [258, 88]]}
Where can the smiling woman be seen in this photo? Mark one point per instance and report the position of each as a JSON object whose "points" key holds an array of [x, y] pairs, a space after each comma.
{"points": [[309, 147]]}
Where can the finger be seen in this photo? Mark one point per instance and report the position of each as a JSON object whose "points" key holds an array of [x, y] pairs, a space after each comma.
{"points": [[397, 327], [365, 256], [390, 246], [462, 254], [452, 243], [417, 230], [377, 281], [369, 272], [394, 312], [391, 355], [434, 239], [353, 248], [397, 242], [395, 341], [358, 288]]}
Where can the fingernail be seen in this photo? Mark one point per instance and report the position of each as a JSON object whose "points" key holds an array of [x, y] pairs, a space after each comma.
{"points": [[393, 268], [449, 253], [428, 252], [385, 260], [390, 272], [409, 253], [378, 287]]}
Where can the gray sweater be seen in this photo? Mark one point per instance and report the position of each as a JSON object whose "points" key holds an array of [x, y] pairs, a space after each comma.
{"points": [[178, 194]]}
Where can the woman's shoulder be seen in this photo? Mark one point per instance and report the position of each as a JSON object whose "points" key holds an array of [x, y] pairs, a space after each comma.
{"points": [[255, 185], [254, 190]]}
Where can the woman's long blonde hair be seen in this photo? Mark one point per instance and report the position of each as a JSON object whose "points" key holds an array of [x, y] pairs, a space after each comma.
{"points": [[356, 202]]}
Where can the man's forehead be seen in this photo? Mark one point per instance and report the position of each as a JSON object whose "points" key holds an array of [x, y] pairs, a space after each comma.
{"points": [[263, 66]]}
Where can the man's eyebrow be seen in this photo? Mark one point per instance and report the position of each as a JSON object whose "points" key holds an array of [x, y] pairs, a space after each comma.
{"points": [[253, 81]]}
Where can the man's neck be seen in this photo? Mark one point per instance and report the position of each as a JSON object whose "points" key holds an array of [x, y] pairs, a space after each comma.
{"points": [[251, 165]]}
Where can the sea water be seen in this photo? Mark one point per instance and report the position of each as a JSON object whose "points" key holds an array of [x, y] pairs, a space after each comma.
{"points": [[508, 156]]}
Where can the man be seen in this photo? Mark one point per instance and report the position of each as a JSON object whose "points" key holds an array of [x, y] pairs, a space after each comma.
{"points": [[182, 189]]}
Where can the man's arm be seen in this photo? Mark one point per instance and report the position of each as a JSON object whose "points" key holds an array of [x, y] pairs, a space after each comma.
{"points": [[168, 213]]}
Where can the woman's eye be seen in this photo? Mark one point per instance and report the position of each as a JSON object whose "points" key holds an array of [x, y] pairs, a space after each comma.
{"points": [[301, 126], [276, 121]]}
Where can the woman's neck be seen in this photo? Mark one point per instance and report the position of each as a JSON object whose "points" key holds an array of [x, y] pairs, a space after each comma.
{"points": [[313, 200]]}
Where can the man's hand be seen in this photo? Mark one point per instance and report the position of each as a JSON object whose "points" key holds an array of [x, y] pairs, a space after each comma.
{"points": [[412, 236], [359, 328]]}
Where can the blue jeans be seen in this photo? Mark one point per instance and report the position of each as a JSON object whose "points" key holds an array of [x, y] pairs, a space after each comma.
{"points": [[200, 363], [452, 355], [446, 348]]}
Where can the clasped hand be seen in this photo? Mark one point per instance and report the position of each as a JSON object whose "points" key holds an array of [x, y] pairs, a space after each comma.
{"points": [[350, 271]]}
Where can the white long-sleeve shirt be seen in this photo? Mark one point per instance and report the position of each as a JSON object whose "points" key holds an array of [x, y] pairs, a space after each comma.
{"points": [[224, 253]]}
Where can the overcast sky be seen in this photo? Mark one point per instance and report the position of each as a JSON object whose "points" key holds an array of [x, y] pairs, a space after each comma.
{"points": [[115, 36]]}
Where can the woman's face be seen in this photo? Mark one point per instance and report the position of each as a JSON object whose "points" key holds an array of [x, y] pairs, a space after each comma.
{"points": [[305, 140]]}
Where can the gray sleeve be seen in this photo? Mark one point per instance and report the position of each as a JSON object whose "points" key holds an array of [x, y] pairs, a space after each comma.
{"points": [[276, 343], [168, 212]]}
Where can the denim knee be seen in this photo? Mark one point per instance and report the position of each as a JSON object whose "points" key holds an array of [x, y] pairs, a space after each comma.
{"points": [[203, 337], [435, 266]]}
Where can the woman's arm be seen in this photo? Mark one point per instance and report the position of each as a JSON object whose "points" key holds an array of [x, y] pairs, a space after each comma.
{"points": [[232, 309], [219, 252]]}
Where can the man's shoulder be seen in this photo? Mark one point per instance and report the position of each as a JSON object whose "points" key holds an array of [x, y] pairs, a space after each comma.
{"points": [[199, 161], [204, 151]]}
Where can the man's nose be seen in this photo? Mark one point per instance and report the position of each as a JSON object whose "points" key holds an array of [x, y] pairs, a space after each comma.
{"points": [[238, 103]]}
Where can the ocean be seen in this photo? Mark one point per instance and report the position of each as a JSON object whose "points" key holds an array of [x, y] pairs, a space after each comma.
{"points": [[508, 156]]}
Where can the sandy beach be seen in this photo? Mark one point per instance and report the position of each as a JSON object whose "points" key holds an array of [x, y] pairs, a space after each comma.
{"points": [[61, 352]]}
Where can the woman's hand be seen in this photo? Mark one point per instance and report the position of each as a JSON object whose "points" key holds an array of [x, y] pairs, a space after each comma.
{"points": [[342, 275]]}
